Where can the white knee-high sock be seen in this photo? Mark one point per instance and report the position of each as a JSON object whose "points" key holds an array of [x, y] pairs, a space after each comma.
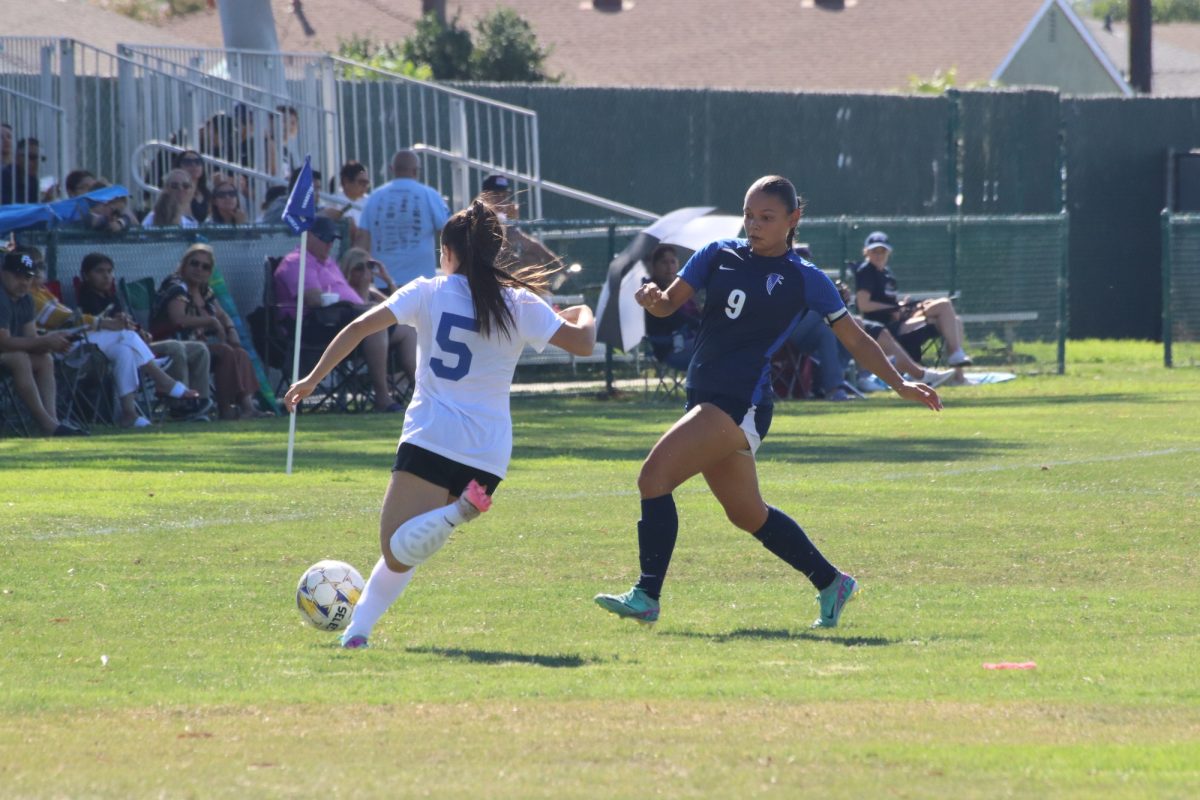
{"points": [[383, 588], [417, 540]]}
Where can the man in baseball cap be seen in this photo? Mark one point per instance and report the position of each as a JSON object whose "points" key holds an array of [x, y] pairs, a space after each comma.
{"points": [[26, 355]]}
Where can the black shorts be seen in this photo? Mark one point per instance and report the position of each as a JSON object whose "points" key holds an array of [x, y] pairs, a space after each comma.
{"points": [[441, 471], [322, 324], [914, 341], [872, 328], [755, 427]]}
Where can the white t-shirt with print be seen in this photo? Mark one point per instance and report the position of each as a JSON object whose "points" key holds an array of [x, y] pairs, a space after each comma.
{"points": [[460, 409]]}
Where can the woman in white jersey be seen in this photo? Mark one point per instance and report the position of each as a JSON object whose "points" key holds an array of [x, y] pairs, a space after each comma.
{"points": [[472, 323]]}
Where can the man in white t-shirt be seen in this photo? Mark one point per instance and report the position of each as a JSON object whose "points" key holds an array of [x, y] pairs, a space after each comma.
{"points": [[402, 221]]}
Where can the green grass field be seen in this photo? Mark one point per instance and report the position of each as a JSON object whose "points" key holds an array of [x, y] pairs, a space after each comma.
{"points": [[151, 646]]}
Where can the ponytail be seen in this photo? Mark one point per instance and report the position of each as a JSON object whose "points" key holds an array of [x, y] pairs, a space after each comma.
{"points": [[476, 236]]}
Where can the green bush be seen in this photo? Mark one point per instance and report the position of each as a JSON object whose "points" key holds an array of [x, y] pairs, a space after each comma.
{"points": [[1161, 10], [504, 48]]}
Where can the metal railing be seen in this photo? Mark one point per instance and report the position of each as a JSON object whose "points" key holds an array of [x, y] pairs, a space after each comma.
{"points": [[475, 166], [31, 146], [267, 80], [349, 110], [116, 102]]}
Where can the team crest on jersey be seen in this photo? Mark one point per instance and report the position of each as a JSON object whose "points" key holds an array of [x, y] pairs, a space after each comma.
{"points": [[773, 280]]}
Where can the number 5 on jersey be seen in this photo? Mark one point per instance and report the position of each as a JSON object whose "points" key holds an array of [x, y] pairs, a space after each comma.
{"points": [[462, 365], [733, 306]]}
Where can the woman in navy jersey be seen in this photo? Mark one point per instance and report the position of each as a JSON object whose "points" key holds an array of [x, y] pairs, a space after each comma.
{"points": [[757, 291], [472, 323]]}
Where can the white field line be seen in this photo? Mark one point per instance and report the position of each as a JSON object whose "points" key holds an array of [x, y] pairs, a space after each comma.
{"points": [[1171, 451]]}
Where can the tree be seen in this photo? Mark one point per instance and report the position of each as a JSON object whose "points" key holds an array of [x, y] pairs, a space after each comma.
{"points": [[388, 57], [153, 10], [1161, 10], [507, 49], [444, 48]]}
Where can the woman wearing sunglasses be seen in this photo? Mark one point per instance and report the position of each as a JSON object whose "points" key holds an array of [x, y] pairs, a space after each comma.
{"points": [[190, 162], [226, 204], [174, 204], [186, 308]]}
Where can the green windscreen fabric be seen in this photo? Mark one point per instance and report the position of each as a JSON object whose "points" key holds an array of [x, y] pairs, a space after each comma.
{"points": [[1181, 290]]}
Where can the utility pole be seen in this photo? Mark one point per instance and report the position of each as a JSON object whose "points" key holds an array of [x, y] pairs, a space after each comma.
{"points": [[436, 7], [1141, 67]]}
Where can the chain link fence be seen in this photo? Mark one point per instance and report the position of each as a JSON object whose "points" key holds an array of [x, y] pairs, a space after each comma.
{"points": [[1009, 271], [1181, 289]]}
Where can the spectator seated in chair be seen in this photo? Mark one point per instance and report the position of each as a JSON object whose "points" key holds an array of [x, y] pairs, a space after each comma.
{"points": [[910, 323], [186, 308], [174, 204], [672, 339], [330, 303], [899, 356], [187, 363], [362, 273], [25, 355], [114, 335]]}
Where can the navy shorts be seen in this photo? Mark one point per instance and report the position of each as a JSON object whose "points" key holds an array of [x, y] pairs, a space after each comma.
{"points": [[914, 341], [872, 328], [754, 420], [441, 471]]}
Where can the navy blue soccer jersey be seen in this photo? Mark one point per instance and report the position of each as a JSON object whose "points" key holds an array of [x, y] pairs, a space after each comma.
{"points": [[752, 304]]}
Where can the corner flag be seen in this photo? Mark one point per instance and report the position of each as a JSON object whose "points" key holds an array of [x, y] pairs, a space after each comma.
{"points": [[301, 206], [299, 214]]}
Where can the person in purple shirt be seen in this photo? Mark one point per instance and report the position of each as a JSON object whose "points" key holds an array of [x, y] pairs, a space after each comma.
{"points": [[330, 304], [756, 291]]}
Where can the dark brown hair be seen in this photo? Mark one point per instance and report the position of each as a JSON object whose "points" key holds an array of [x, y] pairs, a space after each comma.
{"points": [[782, 188], [476, 236]]}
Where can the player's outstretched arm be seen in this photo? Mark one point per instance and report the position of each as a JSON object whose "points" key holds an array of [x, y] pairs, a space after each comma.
{"points": [[374, 320], [663, 303], [870, 357], [577, 334]]}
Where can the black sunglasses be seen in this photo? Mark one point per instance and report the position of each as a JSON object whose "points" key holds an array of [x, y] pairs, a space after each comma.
{"points": [[201, 263], [225, 193]]}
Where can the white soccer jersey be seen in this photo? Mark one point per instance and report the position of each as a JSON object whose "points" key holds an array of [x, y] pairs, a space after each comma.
{"points": [[460, 408]]}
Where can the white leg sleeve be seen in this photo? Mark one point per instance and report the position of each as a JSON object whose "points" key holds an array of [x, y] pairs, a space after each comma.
{"points": [[383, 588], [417, 540]]}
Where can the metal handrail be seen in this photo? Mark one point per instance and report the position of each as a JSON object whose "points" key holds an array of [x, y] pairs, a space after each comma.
{"points": [[549, 186], [440, 87], [224, 166]]}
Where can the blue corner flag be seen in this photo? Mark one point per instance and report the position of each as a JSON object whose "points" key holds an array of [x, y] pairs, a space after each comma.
{"points": [[301, 207]]}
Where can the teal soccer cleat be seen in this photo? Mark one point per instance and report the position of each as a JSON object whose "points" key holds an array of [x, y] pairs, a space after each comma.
{"points": [[833, 599], [634, 604]]}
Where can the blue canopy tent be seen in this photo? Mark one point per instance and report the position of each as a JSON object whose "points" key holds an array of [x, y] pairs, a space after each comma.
{"points": [[49, 215]]}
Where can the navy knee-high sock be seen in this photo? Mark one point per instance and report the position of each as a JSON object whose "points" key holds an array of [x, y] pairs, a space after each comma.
{"points": [[782, 536], [657, 530]]}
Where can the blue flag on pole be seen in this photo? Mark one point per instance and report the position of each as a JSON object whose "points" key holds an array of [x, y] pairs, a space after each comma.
{"points": [[301, 206]]}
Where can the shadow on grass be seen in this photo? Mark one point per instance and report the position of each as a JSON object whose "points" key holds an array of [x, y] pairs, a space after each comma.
{"points": [[763, 634], [504, 657]]}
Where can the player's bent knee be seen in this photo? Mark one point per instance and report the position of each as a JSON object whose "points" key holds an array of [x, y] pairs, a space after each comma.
{"points": [[650, 484], [392, 563]]}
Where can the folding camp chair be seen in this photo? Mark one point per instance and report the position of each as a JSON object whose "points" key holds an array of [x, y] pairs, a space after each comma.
{"points": [[13, 416], [669, 380], [346, 388]]}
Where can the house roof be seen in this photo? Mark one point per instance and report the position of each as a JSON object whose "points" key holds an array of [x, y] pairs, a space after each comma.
{"points": [[77, 19], [1175, 52], [869, 45]]}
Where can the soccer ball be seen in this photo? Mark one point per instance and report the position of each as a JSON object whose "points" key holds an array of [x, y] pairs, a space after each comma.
{"points": [[327, 594]]}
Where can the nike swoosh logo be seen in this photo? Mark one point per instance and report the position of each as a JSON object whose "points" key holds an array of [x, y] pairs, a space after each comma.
{"points": [[726, 269]]}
